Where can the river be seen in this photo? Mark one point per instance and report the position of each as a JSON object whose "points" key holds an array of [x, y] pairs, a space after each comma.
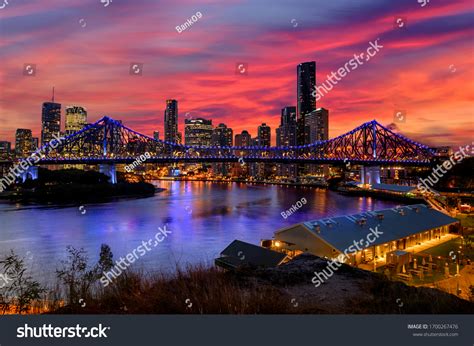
{"points": [[204, 217]]}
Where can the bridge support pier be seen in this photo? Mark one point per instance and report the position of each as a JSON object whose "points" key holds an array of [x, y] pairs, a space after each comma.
{"points": [[370, 175], [32, 171], [109, 170]]}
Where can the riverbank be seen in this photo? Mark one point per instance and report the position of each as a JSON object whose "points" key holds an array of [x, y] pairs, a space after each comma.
{"points": [[382, 195], [74, 186], [80, 193], [286, 289], [244, 181]]}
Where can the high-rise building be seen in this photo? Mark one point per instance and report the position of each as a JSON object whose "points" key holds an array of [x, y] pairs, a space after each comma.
{"points": [[171, 121], [23, 142], [306, 82], [198, 132], [264, 135], [156, 135], [34, 143], [179, 138], [288, 116], [76, 119], [243, 139], [50, 121], [222, 136], [318, 124], [5, 149], [286, 132], [306, 102]]}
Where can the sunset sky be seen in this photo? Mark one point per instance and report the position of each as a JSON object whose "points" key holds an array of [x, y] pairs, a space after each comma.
{"points": [[85, 49]]}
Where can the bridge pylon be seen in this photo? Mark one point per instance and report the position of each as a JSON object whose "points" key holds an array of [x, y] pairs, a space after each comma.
{"points": [[110, 171], [370, 174]]}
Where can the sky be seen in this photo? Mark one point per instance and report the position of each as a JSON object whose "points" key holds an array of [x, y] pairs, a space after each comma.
{"points": [[84, 48]]}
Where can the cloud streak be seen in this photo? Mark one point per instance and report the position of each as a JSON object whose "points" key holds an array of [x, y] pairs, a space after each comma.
{"points": [[89, 66]]}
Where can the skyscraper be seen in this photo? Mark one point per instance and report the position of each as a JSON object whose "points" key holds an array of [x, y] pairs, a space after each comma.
{"points": [[286, 132], [76, 119], [23, 142], [50, 121], [34, 143], [318, 124], [5, 149], [222, 136], [288, 116], [243, 139], [306, 102], [286, 136], [156, 135], [264, 135], [171, 121], [198, 132]]}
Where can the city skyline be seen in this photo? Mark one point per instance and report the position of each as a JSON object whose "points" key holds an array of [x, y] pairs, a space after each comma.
{"points": [[308, 125], [210, 86]]}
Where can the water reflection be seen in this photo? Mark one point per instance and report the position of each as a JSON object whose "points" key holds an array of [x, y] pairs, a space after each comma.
{"points": [[204, 217]]}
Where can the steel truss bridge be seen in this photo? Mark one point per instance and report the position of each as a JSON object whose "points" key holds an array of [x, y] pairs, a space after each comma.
{"points": [[109, 142]]}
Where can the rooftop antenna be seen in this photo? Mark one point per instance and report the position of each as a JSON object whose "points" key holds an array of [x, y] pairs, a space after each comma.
{"points": [[53, 95]]}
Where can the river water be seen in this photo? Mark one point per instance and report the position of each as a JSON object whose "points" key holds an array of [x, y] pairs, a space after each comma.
{"points": [[203, 217]]}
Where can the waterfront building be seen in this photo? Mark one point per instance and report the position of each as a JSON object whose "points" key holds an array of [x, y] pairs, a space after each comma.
{"points": [[404, 229], [255, 256], [222, 136], [198, 132], [76, 119], [171, 121], [23, 142]]}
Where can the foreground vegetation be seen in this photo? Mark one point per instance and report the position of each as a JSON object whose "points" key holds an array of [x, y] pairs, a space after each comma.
{"points": [[200, 290]]}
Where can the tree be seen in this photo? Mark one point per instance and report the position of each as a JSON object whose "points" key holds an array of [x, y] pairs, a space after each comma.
{"points": [[76, 275], [19, 290], [106, 261]]}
